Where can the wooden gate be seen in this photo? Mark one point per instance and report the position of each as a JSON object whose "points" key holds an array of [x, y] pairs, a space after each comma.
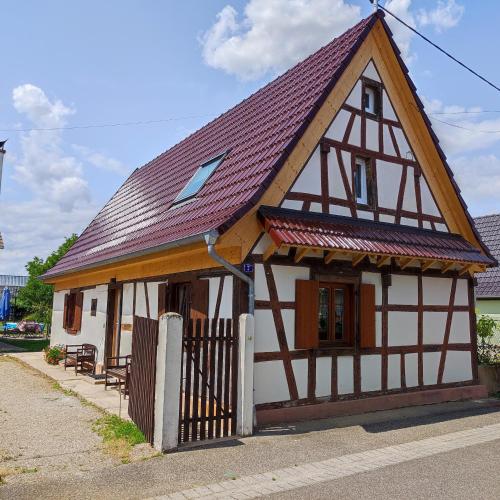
{"points": [[209, 383], [143, 375]]}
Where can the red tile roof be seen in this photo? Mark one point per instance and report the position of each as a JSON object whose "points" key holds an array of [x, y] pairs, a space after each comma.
{"points": [[488, 283], [259, 134], [333, 232]]}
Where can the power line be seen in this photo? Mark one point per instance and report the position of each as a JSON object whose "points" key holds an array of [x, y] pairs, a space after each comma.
{"points": [[440, 49], [464, 112], [466, 128], [102, 125]]}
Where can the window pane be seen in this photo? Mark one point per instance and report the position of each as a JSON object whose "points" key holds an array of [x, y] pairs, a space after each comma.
{"points": [[198, 179], [323, 313], [357, 181], [339, 314]]}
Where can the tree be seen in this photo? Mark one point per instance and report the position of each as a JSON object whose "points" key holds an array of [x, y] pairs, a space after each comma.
{"points": [[36, 297]]}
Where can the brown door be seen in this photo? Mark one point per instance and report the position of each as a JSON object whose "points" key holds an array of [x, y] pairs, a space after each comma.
{"points": [[113, 323]]}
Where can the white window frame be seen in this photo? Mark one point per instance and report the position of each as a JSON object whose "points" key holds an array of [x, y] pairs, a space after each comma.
{"points": [[372, 98], [363, 164]]}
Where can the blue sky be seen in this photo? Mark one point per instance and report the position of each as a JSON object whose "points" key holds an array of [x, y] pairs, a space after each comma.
{"points": [[88, 63]]}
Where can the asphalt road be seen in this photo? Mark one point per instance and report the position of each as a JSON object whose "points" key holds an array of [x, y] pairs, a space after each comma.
{"points": [[471, 471]]}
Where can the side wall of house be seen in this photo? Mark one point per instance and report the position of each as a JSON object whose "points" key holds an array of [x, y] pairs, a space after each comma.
{"points": [[93, 328], [423, 336]]}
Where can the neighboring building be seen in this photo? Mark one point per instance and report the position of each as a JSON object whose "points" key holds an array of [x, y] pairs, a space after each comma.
{"points": [[488, 283], [329, 189], [13, 283]]}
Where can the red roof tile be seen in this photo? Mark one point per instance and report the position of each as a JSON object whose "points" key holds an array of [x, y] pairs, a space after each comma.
{"points": [[333, 232], [259, 134]]}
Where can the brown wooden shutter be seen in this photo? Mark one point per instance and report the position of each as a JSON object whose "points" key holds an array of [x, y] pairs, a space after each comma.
{"points": [[77, 318], [306, 314], [367, 315], [65, 311], [162, 299], [199, 299]]}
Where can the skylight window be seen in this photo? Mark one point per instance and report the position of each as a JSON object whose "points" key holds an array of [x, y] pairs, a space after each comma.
{"points": [[198, 180]]}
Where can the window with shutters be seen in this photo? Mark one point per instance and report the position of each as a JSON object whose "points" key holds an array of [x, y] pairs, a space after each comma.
{"points": [[325, 314], [72, 316], [335, 313]]}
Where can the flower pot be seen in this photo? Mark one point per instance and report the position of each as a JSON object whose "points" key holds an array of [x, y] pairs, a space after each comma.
{"points": [[489, 375]]}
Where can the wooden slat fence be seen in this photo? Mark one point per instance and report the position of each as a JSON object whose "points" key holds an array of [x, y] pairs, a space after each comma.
{"points": [[143, 375], [208, 393]]}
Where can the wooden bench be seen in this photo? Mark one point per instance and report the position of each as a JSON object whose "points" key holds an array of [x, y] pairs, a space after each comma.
{"points": [[118, 372], [81, 356]]}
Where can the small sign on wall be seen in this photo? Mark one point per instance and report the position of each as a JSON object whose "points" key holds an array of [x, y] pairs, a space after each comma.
{"points": [[248, 268]]}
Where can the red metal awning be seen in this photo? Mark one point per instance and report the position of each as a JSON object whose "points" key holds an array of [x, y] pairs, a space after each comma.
{"points": [[331, 232]]}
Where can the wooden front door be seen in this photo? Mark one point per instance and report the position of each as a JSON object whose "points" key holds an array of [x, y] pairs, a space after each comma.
{"points": [[113, 323]]}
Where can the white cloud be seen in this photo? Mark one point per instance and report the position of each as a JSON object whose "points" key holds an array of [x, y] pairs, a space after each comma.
{"points": [[36, 227], [273, 34], [99, 160], [462, 133], [446, 15]]}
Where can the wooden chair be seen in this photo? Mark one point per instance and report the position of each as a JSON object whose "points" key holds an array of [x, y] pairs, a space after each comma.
{"points": [[118, 372], [81, 356]]}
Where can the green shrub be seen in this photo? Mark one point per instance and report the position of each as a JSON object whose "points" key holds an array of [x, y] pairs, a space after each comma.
{"points": [[54, 354]]}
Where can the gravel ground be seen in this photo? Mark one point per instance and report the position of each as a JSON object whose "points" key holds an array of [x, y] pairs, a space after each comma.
{"points": [[43, 432]]}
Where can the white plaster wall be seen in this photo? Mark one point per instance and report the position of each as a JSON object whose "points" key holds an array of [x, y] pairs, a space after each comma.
{"points": [[291, 204], [431, 367], [300, 368], [406, 221], [436, 291], [309, 180], [388, 110], [140, 300], [372, 134], [337, 210], [388, 144], [404, 148], [462, 293], [411, 369], [402, 328], [441, 227], [270, 383], [409, 199], [362, 214], [226, 305], [261, 291], [460, 328], [265, 239], [153, 299], [323, 376], [434, 326], [93, 329], [388, 180], [354, 98], [371, 372], [404, 290], [428, 205], [457, 367], [265, 331], [346, 158], [345, 375], [387, 218], [336, 185], [355, 137], [337, 128], [371, 72], [316, 207], [285, 277], [394, 371]]}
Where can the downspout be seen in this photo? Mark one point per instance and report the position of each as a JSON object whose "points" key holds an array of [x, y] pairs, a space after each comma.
{"points": [[211, 239]]}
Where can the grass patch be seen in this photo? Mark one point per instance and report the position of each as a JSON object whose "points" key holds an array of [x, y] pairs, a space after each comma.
{"points": [[11, 471], [35, 345], [118, 435]]}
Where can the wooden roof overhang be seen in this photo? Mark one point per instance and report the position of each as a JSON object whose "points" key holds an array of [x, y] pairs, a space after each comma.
{"points": [[339, 237]]}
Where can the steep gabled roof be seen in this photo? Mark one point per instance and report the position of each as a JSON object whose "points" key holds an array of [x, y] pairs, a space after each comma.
{"points": [[488, 227], [259, 134]]}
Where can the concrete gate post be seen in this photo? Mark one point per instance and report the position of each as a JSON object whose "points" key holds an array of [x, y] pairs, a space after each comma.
{"points": [[168, 382], [244, 426]]}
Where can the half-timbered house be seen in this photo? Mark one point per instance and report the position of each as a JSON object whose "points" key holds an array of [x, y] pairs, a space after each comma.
{"points": [[351, 244]]}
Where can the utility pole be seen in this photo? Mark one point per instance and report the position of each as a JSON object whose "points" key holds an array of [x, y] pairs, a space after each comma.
{"points": [[2, 153]]}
